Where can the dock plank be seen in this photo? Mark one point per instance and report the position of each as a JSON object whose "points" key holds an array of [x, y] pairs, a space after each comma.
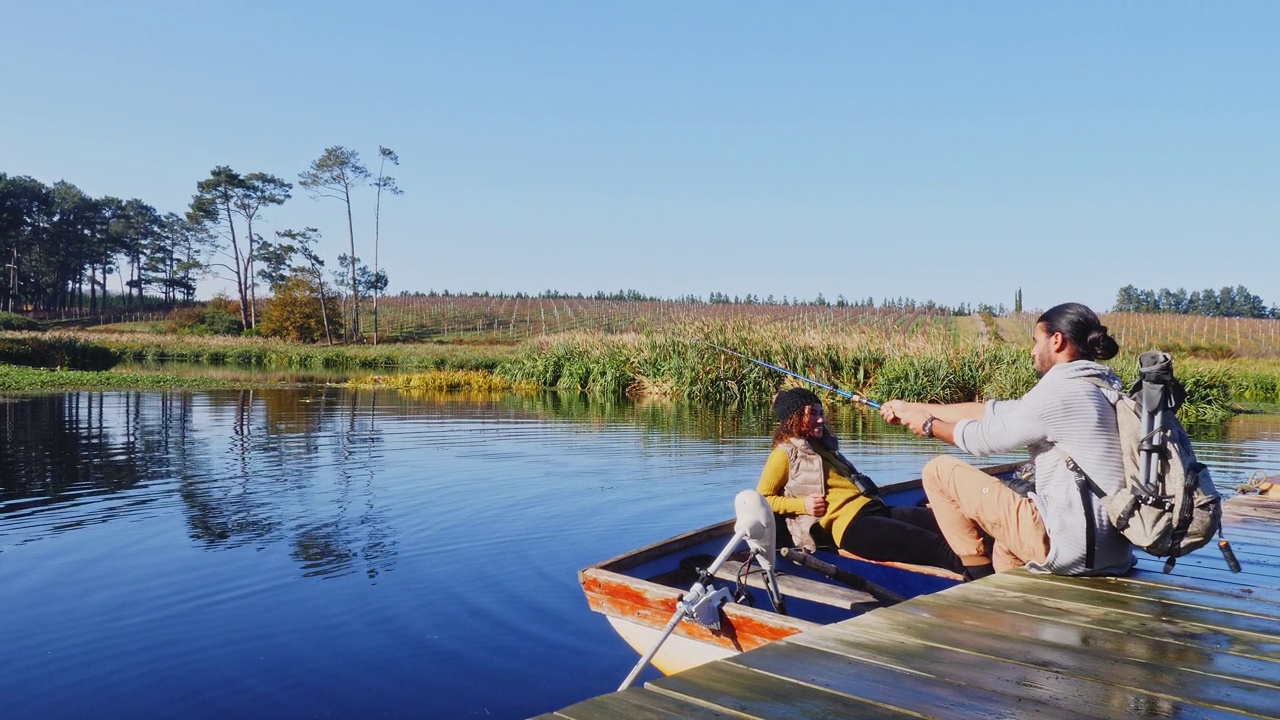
{"points": [[1200, 642], [1237, 598], [945, 683], [1253, 546], [1135, 636], [1069, 655], [1028, 595], [1224, 584], [1210, 557], [1252, 530], [637, 704], [1251, 507], [1007, 686], [738, 689], [1207, 572]]}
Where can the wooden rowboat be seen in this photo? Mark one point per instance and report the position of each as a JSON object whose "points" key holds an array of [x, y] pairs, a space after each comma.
{"points": [[638, 592]]}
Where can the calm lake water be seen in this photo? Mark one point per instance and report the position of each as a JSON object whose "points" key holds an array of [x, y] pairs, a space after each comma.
{"points": [[327, 553]]}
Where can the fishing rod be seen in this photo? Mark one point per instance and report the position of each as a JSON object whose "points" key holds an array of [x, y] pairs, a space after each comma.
{"points": [[842, 393]]}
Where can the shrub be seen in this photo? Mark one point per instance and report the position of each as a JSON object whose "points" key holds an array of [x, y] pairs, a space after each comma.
{"points": [[55, 353], [295, 314], [220, 316], [218, 322], [14, 321]]}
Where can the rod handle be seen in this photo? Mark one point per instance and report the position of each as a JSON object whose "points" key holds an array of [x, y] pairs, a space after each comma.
{"points": [[1229, 555]]}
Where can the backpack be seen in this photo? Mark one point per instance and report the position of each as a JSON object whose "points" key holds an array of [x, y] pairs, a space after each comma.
{"points": [[1168, 505]]}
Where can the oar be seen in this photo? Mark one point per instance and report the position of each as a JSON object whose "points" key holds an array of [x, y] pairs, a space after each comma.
{"points": [[839, 574], [842, 393]]}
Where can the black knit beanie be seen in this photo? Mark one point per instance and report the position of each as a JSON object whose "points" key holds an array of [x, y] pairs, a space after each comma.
{"points": [[788, 402]]}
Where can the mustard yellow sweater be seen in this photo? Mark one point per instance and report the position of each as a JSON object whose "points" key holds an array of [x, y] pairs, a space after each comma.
{"points": [[844, 500]]}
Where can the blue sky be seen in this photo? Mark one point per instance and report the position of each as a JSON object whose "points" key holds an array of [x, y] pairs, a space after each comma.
{"points": [[945, 151]]}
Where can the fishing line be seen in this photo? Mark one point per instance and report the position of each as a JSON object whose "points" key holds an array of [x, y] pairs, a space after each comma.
{"points": [[854, 397]]}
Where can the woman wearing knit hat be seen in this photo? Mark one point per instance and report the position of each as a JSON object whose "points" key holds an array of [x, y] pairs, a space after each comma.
{"points": [[825, 500]]}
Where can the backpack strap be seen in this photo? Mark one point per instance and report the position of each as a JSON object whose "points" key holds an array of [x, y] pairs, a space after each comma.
{"points": [[865, 485], [1088, 488], [1183, 522]]}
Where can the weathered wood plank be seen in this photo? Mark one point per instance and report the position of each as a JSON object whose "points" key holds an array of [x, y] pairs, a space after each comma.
{"points": [[1205, 572], [1092, 599], [1138, 637], [1247, 507], [737, 689], [1263, 551], [1258, 530], [1006, 686], [1261, 543], [1238, 598], [1211, 557], [1067, 655], [936, 682], [1220, 584], [638, 704]]}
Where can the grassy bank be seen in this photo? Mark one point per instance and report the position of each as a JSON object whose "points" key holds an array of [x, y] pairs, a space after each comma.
{"points": [[879, 361], [261, 352]]}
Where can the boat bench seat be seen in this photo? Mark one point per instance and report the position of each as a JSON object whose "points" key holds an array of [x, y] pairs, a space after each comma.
{"points": [[803, 588]]}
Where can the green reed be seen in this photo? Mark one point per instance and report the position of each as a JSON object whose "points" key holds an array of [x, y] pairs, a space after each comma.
{"points": [[441, 381], [925, 369], [929, 362]]}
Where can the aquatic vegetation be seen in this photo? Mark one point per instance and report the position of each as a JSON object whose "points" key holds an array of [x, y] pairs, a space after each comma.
{"points": [[479, 381], [26, 379]]}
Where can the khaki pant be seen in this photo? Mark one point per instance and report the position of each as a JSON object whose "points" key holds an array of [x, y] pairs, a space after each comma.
{"points": [[981, 518]]}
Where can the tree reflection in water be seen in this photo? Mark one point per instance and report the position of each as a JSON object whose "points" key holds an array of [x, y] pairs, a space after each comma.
{"points": [[300, 465]]}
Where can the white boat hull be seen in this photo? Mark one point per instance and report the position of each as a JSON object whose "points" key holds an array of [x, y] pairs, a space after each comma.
{"points": [[677, 653]]}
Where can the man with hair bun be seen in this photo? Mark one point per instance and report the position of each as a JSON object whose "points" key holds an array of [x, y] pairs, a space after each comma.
{"points": [[1070, 413], [824, 500]]}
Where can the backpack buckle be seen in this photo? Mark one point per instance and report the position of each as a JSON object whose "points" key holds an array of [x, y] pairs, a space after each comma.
{"points": [[1157, 501]]}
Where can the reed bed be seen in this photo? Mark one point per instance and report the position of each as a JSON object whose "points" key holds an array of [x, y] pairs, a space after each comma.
{"points": [[440, 381], [879, 362], [918, 356], [924, 367]]}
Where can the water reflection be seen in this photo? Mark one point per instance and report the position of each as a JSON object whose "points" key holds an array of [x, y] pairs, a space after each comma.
{"points": [[301, 551], [256, 466]]}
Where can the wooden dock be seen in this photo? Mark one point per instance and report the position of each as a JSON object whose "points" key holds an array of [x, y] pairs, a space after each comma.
{"points": [[1200, 642]]}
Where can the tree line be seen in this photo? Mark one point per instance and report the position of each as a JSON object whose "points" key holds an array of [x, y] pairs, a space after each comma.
{"points": [[1225, 302], [61, 247]]}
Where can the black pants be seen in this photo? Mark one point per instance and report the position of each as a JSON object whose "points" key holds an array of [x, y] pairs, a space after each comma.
{"points": [[899, 534]]}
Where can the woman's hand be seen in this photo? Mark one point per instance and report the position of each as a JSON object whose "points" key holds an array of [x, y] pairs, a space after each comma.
{"points": [[816, 505]]}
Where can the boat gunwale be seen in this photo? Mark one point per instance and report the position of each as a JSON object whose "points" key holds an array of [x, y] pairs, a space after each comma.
{"points": [[641, 555]]}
